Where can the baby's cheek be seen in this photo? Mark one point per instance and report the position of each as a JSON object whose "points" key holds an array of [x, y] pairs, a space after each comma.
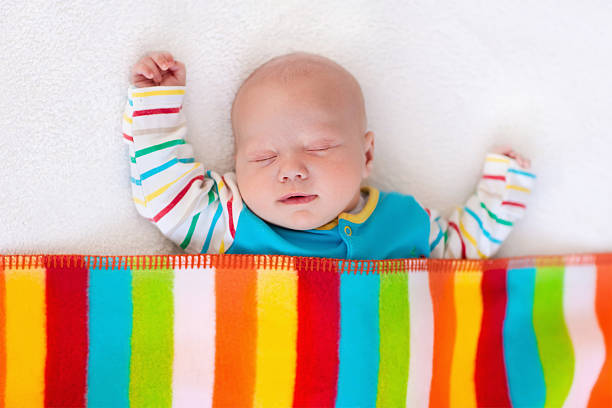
{"points": [[257, 193]]}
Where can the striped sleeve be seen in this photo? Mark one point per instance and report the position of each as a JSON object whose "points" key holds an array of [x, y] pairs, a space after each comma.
{"points": [[477, 230], [196, 208]]}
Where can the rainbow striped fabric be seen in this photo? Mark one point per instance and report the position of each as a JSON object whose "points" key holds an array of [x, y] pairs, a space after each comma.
{"points": [[260, 330]]}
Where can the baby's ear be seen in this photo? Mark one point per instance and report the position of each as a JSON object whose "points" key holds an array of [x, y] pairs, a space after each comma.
{"points": [[369, 153]]}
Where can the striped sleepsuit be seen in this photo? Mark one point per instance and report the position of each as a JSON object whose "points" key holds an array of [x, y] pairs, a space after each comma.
{"points": [[202, 211]]}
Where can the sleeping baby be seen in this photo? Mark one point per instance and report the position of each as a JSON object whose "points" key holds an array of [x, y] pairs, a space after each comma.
{"points": [[301, 152]]}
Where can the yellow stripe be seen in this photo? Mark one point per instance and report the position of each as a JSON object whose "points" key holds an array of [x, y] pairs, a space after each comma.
{"points": [[154, 194], [153, 93], [519, 188], [497, 159], [276, 337], [367, 210], [159, 191], [220, 185], [468, 309], [26, 342], [329, 225], [222, 248], [138, 201], [127, 119], [361, 216], [471, 239]]}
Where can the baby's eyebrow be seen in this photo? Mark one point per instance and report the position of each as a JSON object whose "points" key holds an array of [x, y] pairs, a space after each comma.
{"points": [[322, 140], [255, 153]]}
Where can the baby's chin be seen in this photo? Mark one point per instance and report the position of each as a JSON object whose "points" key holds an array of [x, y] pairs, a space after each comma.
{"points": [[299, 221]]}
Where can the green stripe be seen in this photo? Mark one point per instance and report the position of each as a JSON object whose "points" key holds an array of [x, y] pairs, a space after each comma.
{"points": [[495, 217], [194, 221], [554, 343], [152, 337], [187, 239], [132, 159], [161, 146], [394, 323]]}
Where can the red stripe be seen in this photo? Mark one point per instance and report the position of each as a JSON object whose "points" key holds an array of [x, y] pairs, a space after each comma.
{"points": [[148, 112], [428, 213], [229, 211], [178, 198], [231, 217], [67, 339], [513, 203], [318, 333], [490, 375], [502, 178], [128, 137], [452, 224]]}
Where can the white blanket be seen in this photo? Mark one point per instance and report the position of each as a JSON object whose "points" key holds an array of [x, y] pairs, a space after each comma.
{"points": [[443, 81]]}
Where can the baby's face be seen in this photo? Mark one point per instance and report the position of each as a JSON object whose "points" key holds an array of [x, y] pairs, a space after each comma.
{"points": [[301, 150]]}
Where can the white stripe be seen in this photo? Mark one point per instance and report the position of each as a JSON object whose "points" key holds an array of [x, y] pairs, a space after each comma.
{"points": [[587, 339], [194, 337], [183, 209], [421, 339]]}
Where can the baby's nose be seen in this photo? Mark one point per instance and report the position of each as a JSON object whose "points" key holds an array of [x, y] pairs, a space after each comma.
{"points": [[292, 170]]}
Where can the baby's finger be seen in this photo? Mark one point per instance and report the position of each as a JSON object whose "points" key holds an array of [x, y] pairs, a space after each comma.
{"points": [[169, 59], [162, 59], [525, 163], [176, 66], [152, 72]]}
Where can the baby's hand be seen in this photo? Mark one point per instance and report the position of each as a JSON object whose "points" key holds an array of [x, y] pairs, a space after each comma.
{"points": [[158, 68], [508, 151]]}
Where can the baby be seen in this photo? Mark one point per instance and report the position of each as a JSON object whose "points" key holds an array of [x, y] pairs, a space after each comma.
{"points": [[302, 151]]}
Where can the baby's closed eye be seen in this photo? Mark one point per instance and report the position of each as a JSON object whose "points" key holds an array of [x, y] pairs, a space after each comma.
{"points": [[321, 148], [263, 159]]}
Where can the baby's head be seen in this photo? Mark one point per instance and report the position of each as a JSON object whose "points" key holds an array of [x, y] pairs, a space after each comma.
{"points": [[299, 127]]}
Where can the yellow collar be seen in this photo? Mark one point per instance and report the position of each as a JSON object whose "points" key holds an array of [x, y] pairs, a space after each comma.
{"points": [[362, 215]]}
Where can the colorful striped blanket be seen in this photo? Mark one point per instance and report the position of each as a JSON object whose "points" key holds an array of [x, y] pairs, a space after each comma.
{"points": [[260, 330]]}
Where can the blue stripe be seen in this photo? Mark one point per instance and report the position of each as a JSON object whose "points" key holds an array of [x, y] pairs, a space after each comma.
{"points": [[110, 329], [212, 228], [524, 173], [131, 103], [157, 169], [484, 231], [359, 340], [215, 182], [438, 238], [160, 168], [523, 365]]}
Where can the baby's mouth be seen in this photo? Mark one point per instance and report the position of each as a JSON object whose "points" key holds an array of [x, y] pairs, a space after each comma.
{"points": [[297, 198]]}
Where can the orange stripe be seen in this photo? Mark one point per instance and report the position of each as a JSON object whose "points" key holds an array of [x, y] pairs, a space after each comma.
{"points": [[2, 336], [236, 332], [601, 396], [441, 286]]}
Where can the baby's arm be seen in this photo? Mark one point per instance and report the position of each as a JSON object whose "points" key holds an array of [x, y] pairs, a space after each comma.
{"points": [[196, 208], [477, 229]]}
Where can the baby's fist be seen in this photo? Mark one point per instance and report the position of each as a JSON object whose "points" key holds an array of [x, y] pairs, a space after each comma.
{"points": [[158, 68], [508, 151]]}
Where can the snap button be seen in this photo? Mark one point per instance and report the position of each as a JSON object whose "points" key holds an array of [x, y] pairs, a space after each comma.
{"points": [[348, 231]]}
